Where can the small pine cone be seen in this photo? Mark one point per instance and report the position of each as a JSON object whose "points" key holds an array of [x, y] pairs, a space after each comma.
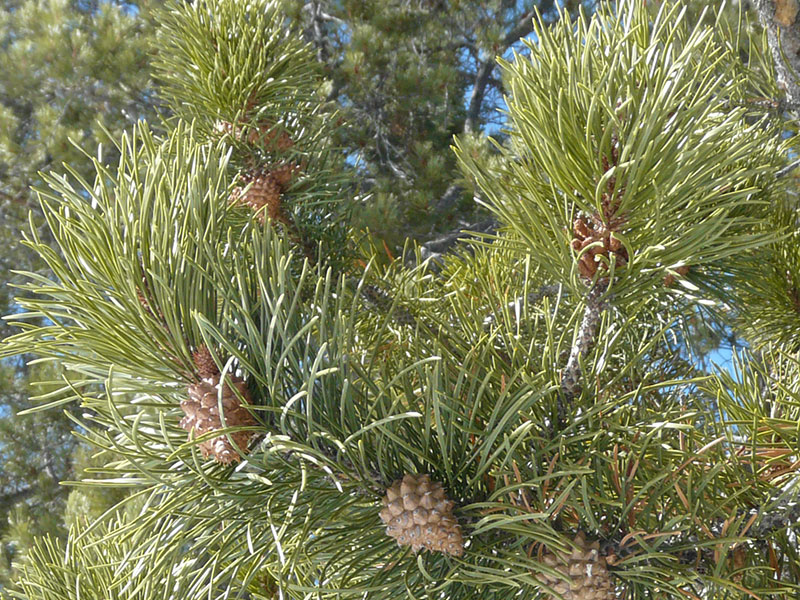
{"points": [[204, 363], [587, 266], [586, 572], [266, 135], [418, 514], [203, 416], [598, 237], [284, 173], [264, 191], [581, 229]]}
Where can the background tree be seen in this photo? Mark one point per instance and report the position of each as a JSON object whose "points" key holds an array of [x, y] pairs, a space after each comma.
{"points": [[408, 76], [73, 74]]}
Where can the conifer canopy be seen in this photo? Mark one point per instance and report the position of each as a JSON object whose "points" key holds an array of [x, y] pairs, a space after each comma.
{"points": [[297, 418]]}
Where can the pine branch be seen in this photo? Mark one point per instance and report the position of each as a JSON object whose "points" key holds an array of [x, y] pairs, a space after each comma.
{"points": [[438, 246], [780, 19], [785, 516], [570, 376], [483, 76], [787, 169], [472, 124], [320, 39], [448, 199]]}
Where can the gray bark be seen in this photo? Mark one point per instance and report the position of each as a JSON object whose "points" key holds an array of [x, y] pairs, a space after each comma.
{"points": [[570, 376], [780, 19]]}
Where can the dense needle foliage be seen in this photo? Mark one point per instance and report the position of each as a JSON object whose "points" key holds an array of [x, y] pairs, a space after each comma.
{"points": [[534, 374]]}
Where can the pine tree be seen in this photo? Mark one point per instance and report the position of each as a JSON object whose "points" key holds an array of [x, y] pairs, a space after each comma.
{"points": [[303, 421], [408, 76]]}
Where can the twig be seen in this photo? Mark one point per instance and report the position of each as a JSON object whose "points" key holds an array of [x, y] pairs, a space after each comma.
{"points": [[783, 38], [435, 248], [782, 517], [786, 516], [448, 199], [787, 169], [483, 74], [571, 374]]}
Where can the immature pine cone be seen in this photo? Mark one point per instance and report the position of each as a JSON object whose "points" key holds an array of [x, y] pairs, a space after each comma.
{"points": [[669, 278], [586, 570], [418, 514], [203, 416], [265, 189], [595, 233], [592, 230]]}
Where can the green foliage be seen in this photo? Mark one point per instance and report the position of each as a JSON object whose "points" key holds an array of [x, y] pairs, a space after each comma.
{"points": [[71, 72], [90, 568], [759, 401], [654, 143], [461, 372], [768, 300], [264, 102], [88, 503], [219, 63], [142, 231]]}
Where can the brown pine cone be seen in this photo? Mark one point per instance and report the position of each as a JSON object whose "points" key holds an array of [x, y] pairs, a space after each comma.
{"points": [[203, 416], [585, 569], [263, 188], [418, 514], [264, 191]]}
